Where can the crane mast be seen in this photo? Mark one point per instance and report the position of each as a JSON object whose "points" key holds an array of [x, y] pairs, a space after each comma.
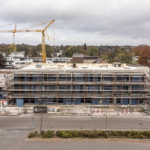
{"points": [[42, 31], [43, 47]]}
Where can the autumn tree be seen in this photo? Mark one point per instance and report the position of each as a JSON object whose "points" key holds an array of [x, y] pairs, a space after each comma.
{"points": [[138, 50], [12, 48], [144, 56]]}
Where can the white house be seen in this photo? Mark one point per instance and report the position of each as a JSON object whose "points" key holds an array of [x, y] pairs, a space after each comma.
{"points": [[14, 61], [58, 60]]}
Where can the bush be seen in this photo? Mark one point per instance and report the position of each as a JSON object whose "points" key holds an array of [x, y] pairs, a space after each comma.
{"points": [[42, 132], [129, 135], [106, 135], [44, 135], [59, 133], [65, 135], [141, 136], [121, 133], [76, 134], [146, 133], [30, 135], [135, 136], [91, 134], [114, 133], [50, 132]]}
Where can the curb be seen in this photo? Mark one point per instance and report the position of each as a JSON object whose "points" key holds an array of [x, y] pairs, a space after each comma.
{"points": [[86, 139]]}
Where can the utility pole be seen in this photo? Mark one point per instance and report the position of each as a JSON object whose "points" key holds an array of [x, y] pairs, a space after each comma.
{"points": [[32, 122], [41, 122], [92, 123], [106, 120]]}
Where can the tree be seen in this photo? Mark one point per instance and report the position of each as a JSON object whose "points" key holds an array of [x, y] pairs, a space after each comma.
{"points": [[124, 56], [34, 53], [6, 51], [49, 50], [70, 50], [84, 46], [11, 48], [104, 56], [144, 56], [39, 48], [138, 50], [2, 60], [93, 51], [24, 48]]}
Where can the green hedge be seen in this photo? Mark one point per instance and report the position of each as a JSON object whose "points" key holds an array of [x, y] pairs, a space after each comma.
{"points": [[103, 134], [91, 134], [43, 134]]}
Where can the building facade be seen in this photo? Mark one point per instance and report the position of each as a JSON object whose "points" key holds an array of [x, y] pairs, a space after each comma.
{"points": [[82, 84]]}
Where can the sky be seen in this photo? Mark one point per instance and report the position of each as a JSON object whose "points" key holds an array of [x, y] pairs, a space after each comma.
{"points": [[94, 22]]}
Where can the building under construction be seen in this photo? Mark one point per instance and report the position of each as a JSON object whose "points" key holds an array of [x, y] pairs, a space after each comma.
{"points": [[81, 84]]}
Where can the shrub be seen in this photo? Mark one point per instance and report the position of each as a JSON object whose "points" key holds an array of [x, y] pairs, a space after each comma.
{"points": [[135, 136], [59, 133], [76, 134], [146, 133], [91, 134], [42, 132], [141, 136], [99, 133], [30, 135], [44, 135], [65, 135], [114, 133], [50, 133], [106, 135], [129, 135], [121, 133]]}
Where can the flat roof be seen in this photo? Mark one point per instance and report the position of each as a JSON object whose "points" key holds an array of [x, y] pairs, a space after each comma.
{"points": [[81, 67]]}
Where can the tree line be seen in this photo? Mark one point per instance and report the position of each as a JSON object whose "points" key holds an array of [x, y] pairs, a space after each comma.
{"points": [[118, 54], [30, 51]]}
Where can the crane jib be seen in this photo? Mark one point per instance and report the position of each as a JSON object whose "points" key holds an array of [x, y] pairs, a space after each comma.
{"points": [[38, 30]]}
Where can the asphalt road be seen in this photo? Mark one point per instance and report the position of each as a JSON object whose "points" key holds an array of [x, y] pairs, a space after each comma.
{"points": [[77, 123], [14, 131], [13, 144]]}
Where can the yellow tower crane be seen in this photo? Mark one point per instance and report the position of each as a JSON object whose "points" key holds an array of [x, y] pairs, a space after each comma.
{"points": [[39, 30]]}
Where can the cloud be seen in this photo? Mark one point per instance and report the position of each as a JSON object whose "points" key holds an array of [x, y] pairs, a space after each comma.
{"points": [[63, 38], [125, 21]]}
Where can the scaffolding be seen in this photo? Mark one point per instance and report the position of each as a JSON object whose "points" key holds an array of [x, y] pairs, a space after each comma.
{"points": [[79, 87]]}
